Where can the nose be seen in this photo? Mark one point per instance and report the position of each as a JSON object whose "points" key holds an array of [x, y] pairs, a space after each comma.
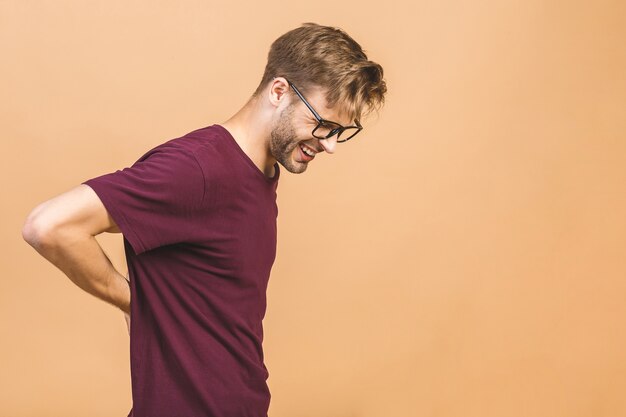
{"points": [[329, 143]]}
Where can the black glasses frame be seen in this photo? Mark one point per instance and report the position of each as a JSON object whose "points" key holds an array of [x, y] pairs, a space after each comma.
{"points": [[335, 128]]}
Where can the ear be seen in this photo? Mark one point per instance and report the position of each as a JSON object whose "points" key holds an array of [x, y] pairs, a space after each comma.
{"points": [[277, 93]]}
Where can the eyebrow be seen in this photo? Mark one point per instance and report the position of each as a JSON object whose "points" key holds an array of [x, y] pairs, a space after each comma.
{"points": [[334, 119]]}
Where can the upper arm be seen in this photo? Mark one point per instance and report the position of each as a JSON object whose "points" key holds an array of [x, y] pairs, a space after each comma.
{"points": [[80, 209], [156, 202]]}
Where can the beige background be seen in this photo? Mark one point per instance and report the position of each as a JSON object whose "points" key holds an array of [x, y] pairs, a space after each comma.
{"points": [[463, 257]]}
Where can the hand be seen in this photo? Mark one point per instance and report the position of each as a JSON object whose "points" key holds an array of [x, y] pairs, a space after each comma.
{"points": [[127, 316]]}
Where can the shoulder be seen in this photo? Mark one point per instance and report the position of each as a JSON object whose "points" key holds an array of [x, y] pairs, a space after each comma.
{"points": [[202, 143], [211, 149], [204, 150]]}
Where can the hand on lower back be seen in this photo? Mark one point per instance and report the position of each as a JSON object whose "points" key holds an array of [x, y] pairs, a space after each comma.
{"points": [[127, 316]]}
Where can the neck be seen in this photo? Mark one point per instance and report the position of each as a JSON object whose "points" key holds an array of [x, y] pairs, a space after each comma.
{"points": [[251, 130]]}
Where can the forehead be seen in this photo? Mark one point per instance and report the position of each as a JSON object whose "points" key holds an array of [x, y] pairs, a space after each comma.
{"points": [[317, 99]]}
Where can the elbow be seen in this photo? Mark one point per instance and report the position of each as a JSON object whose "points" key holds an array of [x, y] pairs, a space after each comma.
{"points": [[31, 235], [36, 231], [28, 233]]}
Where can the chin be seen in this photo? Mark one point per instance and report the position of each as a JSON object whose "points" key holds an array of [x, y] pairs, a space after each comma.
{"points": [[292, 165], [297, 168]]}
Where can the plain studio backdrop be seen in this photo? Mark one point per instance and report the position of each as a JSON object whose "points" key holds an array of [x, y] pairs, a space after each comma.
{"points": [[464, 256]]}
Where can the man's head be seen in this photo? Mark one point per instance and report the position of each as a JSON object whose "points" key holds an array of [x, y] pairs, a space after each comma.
{"points": [[332, 74]]}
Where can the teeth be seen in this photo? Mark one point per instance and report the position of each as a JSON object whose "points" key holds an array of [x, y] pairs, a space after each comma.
{"points": [[306, 150]]}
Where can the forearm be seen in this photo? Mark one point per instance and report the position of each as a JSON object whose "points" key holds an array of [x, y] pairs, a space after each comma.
{"points": [[82, 259]]}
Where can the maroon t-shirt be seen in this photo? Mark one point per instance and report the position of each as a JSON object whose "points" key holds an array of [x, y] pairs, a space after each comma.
{"points": [[199, 225]]}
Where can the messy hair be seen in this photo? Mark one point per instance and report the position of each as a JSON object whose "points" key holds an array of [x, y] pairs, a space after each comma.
{"points": [[313, 56]]}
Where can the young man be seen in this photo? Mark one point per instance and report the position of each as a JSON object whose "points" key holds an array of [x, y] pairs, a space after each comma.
{"points": [[198, 216]]}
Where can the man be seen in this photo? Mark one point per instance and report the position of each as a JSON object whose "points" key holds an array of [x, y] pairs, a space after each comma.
{"points": [[198, 216]]}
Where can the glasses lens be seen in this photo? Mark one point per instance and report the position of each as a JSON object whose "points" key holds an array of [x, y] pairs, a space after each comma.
{"points": [[347, 133], [326, 129]]}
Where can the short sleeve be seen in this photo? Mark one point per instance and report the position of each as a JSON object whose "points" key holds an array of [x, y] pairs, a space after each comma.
{"points": [[156, 201]]}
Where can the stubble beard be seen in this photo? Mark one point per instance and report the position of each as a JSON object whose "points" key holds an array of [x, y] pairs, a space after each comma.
{"points": [[283, 142]]}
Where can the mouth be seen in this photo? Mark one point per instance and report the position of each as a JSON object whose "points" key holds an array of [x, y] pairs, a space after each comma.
{"points": [[303, 153]]}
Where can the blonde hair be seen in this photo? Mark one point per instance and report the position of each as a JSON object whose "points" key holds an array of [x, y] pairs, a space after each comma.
{"points": [[325, 56]]}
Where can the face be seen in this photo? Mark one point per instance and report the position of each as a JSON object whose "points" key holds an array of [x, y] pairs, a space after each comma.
{"points": [[292, 131]]}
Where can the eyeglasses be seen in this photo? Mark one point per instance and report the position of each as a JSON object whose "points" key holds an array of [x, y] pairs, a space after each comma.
{"points": [[325, 128]]}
